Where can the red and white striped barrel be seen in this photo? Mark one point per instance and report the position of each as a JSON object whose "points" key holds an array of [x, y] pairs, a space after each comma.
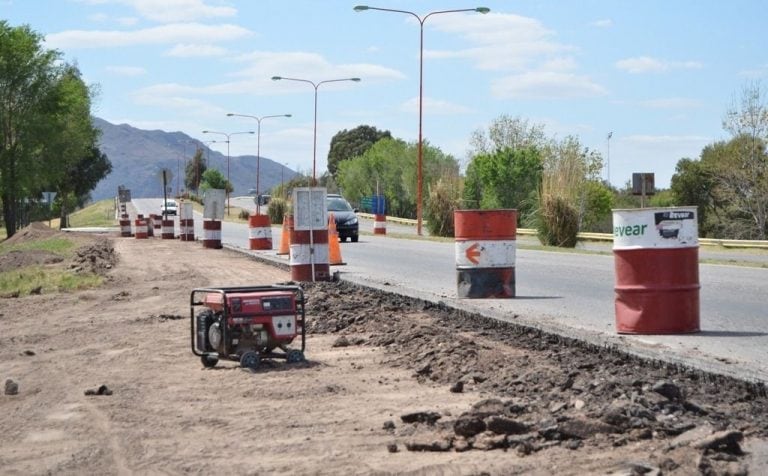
{"points": [[187, 229], [157, 223], [485, 253], [302, 259], [186, 222], [140, 225], [168, 232], [380, 224], [259, 232], [212, 234], [125, 226], [656, 258]]}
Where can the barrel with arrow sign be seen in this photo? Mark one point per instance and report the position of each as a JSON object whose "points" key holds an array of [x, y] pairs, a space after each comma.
{"points": [[485, 253]]}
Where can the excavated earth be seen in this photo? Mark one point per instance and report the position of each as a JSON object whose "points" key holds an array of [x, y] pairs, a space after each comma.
{"points": [[102, 381]]}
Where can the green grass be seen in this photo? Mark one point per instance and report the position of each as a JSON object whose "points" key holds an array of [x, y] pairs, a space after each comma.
{"points": [[22, 281], [101, 213], [59, 246]]}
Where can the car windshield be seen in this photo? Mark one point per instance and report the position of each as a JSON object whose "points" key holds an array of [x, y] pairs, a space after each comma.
{"points": [[338, 205], [170, 203]]}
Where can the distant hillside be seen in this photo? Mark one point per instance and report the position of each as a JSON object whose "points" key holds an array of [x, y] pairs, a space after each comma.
{"points": [[138, 155]]}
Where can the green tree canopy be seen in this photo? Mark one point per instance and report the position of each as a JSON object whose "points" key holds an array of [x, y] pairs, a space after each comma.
{"points": [[212, 178], [46, 133], [506, 178], [348, 144], [389, 166]]}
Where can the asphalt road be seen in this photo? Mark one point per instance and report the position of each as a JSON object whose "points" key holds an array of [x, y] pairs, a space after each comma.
{"points": [[566, 293]]}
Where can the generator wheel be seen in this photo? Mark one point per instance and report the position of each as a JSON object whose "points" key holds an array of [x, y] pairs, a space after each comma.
{"points": [[250, 360], [294, 356], [209, 361]]}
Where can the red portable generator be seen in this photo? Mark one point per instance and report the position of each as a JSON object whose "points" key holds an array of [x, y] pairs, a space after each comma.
{"points": [[247, 324]]}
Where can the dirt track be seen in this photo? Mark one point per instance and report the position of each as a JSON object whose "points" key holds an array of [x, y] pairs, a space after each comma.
{"points": [[391, 386]]}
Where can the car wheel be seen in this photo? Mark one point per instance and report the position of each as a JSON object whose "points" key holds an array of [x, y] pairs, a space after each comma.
{"points": [[354, 239]]}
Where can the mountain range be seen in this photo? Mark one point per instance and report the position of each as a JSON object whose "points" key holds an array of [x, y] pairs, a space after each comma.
{"points": [[138, 156]]}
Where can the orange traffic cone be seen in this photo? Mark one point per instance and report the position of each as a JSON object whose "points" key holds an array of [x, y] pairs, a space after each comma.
{"points": [[334, 250], [285, 237]]}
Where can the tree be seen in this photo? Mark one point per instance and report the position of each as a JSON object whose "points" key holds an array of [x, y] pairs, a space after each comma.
{"points": [[194, 170], [389, 168], [348, 144], [27, 76], [506, 178], [213, 179], [507, 132], [693, 184]]}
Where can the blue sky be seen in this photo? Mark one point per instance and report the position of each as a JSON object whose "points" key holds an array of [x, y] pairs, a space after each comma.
{"points": [[658, 74]]}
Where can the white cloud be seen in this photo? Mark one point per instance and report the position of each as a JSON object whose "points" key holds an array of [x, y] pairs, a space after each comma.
{"points": [[126, 70], [313, 66], [170, 11], [755, 73], [671, 103], [189, 50], [546, 85], [98, 17], [127, 21], [503, 41], [434, 107], [602, 23], [174, 33], [646, 64]]}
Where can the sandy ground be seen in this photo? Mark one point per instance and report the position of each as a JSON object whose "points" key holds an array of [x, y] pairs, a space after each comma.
{"points": [[341, 412]]}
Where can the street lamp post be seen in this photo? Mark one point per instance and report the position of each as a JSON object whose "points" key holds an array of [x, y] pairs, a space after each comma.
{"points": [[258, 151], [421, 20], [314, 85], [608, 161], [227, 135]]}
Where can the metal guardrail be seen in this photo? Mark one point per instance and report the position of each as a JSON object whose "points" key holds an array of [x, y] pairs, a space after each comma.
{"points": [[743, 244]]}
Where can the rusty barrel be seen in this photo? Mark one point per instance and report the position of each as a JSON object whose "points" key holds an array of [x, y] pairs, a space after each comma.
{"points": [[212, 234], [485, 253], [125, 225], [140, 225], [259, 232], [380, 224], [309, 254], [656, 258], [167, 230]]}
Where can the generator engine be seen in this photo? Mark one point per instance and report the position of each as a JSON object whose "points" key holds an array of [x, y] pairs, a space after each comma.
{"points": [[247, 324]]}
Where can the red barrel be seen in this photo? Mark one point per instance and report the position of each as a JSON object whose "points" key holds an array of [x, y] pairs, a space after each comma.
{"points": [[485, 253], [168, 232], [187, 229], [125, 226], [302, 258], [656, 257], [140, 225], [380, 224], [212, 234], [259, 232]]}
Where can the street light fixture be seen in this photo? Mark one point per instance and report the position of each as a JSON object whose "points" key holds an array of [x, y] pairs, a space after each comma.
{"points": [[314, 85], [421, 19], [227, 135], [258, 150]]}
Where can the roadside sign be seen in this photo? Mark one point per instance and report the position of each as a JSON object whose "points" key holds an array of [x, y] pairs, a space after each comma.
{"points": [[213, 203], [309, 209], [48, 197]]}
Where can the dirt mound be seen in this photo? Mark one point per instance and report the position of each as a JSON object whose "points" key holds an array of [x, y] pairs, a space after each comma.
{"points": [[97, 257], [557, 392], [33, 232], [16, 259]]}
